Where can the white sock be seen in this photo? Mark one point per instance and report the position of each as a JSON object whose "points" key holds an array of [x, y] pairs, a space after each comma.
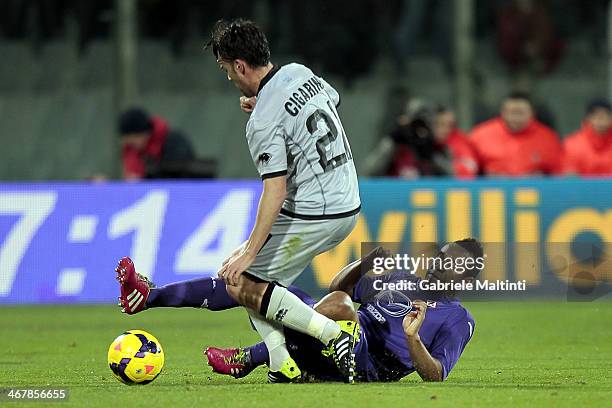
{"points": [[289, 310], [274, 337]]}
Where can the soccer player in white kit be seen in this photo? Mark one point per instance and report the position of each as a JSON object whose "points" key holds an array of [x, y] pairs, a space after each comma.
{"points": [[310, 200]]}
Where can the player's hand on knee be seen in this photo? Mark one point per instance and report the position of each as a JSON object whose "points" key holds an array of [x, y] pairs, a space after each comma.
{"points": [[231, 271], [235, 253], [248, 104]]}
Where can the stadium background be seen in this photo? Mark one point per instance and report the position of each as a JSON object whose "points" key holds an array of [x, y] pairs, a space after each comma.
{"points": [[69, 68], [61, 86]]}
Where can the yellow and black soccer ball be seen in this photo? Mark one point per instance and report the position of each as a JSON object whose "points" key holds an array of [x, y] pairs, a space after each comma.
{"points": [[136, 357]]}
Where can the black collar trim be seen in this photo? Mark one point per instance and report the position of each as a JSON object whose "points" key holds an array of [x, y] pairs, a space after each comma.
{"points": [[268, 77]]}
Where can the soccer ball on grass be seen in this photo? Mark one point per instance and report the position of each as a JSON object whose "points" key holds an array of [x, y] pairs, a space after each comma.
{"points": [[135, 357]]}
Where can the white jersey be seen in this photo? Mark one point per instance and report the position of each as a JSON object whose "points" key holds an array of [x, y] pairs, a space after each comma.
{"points": [[295, 130]]}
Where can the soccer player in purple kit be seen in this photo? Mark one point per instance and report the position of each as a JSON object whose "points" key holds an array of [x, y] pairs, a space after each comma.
{"points": [[402, 331]]}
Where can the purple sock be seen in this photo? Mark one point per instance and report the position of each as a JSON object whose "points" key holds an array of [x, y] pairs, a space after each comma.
{"points": [[259, 354], [208, 293]]}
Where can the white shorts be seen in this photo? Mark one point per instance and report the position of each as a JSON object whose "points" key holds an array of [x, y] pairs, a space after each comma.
{"points": [[293, 243]]}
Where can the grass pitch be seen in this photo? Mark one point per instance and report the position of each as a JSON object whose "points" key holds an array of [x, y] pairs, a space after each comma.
{"points": [[527, 353]]}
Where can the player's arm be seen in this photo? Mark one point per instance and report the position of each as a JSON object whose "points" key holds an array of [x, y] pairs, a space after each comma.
{"points": [[347, 278], [272, 197], [428, 367], [268, 150]]}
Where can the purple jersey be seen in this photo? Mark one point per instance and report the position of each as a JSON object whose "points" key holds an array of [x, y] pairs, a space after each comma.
{"points": [[382, 352]]}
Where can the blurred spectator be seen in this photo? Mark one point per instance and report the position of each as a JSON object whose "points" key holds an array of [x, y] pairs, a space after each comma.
{"points": [[446, 133], [515, 143], [148, 144], [588, 152], [527, 40], [410, 150]]}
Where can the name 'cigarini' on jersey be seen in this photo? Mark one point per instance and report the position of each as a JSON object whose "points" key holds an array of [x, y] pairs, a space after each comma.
{"points": [[302, 95]]}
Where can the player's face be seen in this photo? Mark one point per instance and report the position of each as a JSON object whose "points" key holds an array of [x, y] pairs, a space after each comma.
{"points": [[601, 120], [235, 72], [516, 113]]}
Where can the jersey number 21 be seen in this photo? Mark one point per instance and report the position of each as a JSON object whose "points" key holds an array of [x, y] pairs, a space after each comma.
{"points": [[329, 138]]}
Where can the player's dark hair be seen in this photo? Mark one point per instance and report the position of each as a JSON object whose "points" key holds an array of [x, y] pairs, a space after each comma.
{"points": [[519, 95], [239, 39], [474, 248]]}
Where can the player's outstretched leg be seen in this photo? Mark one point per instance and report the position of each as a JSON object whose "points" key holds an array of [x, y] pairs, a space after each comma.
{"points": [[208, 293], [134, 287], [138, 293]]}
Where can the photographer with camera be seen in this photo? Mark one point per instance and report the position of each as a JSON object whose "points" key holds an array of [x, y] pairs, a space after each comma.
{"points": [[411, 150]]}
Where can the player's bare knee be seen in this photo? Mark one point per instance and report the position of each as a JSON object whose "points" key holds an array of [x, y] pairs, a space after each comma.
{"points": [[337, 306], [237, 292], [249, 292], [233, 292]]}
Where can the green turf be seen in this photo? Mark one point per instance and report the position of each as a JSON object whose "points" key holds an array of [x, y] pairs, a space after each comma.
{"points": [[536, 354]]}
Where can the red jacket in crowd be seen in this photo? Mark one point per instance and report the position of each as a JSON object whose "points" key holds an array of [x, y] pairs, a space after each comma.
{"points": [[134, 161], [502, 152], [462, 153], [588, 153]]}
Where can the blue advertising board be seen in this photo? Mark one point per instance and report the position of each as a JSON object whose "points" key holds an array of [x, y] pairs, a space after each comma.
{"points": [[59, 242]]}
